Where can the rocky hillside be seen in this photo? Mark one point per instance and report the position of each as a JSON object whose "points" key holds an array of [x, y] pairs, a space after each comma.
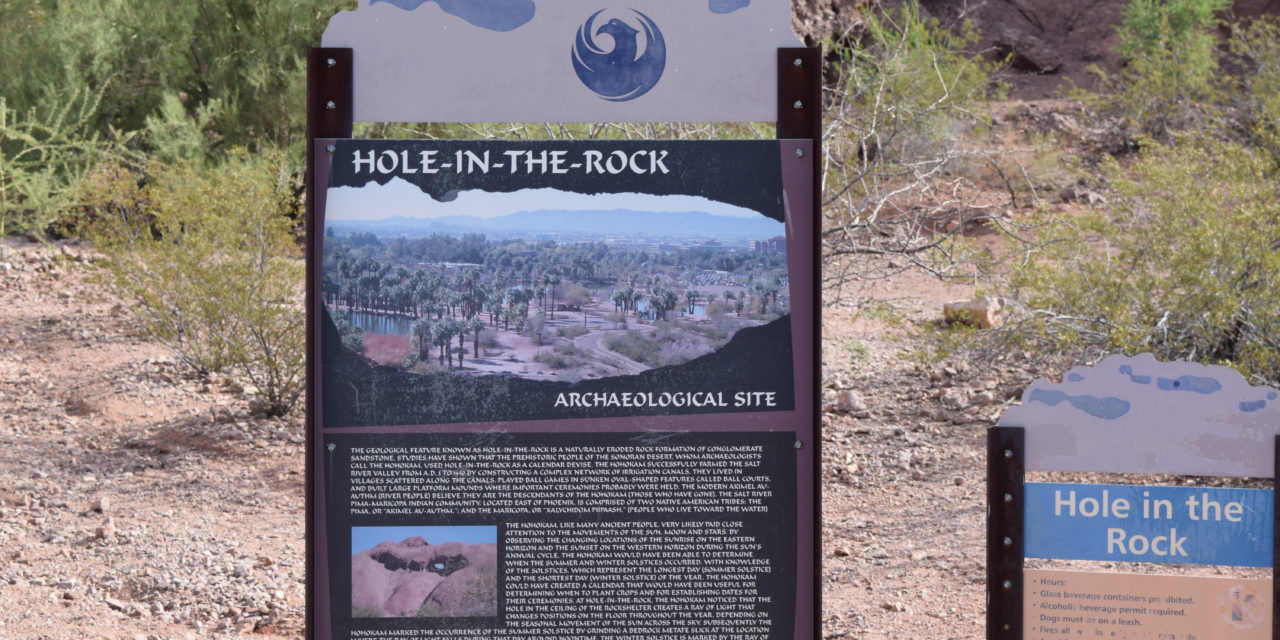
{"points": [[1050, 44]]}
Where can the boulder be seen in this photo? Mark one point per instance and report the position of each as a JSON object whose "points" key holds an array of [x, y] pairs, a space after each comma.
{"points": [[984, 313], [1026, 51], [850, 401]]}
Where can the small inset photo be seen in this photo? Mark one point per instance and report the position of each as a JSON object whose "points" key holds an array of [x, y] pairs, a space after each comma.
{"points": [[424, 572]]}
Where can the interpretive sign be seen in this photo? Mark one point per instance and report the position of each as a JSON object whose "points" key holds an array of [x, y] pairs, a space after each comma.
{"points": [[1133, 415], [1069, 605], [563, 389], [1138, 523]]}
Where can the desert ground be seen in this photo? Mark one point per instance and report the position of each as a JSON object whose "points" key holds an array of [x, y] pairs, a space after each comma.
{"points": [[140, 502]]}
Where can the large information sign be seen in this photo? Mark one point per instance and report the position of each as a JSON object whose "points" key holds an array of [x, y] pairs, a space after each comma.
{"points": [[564, 390]]}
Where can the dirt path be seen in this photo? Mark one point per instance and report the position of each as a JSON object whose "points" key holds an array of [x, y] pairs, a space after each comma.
{"points": [[593, 343]]}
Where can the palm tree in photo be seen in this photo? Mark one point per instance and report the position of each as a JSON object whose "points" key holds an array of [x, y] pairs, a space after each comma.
{"points": [[508, 318], [494, 307], [461, 327], [553, 281], [662, 300], [630, 298], [760, 288], [520, 298], [441, 337], [475, 325], [540, 292], [521, 315], [423, 337]]}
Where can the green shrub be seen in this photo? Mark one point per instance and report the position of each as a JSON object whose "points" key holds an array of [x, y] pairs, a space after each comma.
{"points": [[1170, 81], [538, 329], [635, 346], [909, 123], [1185, 265], [244, 59], [208, 257], [44, 156], [573, 331], [551, 359], [1256, 49], [562, 356]]}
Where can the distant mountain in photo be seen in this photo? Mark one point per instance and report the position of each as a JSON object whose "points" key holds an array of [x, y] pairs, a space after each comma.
{"points": [[692, 224]]}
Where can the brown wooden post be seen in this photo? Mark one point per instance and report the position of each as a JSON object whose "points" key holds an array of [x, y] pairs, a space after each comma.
{"points": [[329, 115], [1006, 472], [1275, 544], [800, 117]]}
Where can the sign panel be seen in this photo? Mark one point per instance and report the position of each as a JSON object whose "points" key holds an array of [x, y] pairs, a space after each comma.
{"points": [[564, 390], [1133, 523], [493, 282], [1140, 415], [564, 61], [1069, 605]]}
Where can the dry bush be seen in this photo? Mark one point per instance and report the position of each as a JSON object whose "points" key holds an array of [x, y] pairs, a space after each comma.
{"points": [[911, 156], [208, 256]]}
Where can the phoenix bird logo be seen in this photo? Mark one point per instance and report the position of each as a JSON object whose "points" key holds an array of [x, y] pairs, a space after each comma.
{"points": [[622, 73]]}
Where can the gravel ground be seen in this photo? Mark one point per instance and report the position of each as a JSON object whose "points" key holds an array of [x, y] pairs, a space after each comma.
{"points": [[136, 502]]}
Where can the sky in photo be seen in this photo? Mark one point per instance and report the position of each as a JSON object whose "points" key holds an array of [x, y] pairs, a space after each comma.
{"points": [[399, 198], [365, 538]]}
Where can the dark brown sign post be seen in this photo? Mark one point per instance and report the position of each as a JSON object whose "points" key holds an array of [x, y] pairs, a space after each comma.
{"points": [[563, 388]]}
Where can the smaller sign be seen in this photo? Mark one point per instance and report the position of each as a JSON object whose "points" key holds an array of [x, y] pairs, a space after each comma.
{"points": [[1063, 605], [1139, 523], [1139, 415]]}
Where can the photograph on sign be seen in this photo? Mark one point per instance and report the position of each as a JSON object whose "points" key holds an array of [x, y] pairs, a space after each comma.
{"points": [[481, 282], [424, 572]]}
